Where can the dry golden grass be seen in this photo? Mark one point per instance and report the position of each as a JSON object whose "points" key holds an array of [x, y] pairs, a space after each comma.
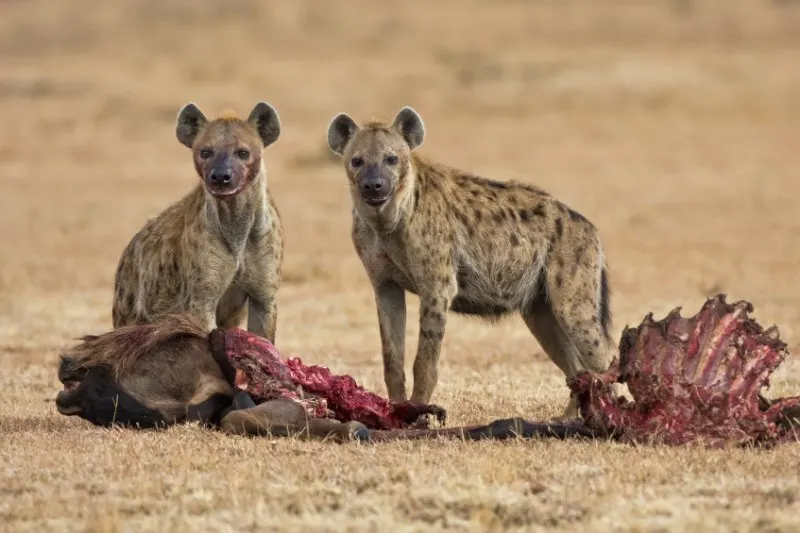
{"points": [[672, 125]]}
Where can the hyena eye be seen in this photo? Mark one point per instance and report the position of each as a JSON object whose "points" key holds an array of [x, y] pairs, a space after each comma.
{"points": [[357, 162], [206, 153], [242, 154], [391, 159]]}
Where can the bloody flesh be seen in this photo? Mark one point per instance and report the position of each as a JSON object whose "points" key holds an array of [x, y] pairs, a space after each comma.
{"points": [[260, 371], [692, 379]]}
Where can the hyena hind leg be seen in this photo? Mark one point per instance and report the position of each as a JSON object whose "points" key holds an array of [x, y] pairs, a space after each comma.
{"points": [[572, 342], [542, 323], [544, 326]]}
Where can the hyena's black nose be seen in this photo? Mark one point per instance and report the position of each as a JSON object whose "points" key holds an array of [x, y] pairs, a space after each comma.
{"points": [[374, 189], [220, 176], [370, 186], [374, 186]]}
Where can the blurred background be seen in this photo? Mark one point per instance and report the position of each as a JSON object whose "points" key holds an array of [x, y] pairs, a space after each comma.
{"points": [[674, 125], [671, 124]]}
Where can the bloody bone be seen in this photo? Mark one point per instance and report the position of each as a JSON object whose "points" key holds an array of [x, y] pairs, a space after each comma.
{"points": [[259, 370], [254, 365], [692, 379]]}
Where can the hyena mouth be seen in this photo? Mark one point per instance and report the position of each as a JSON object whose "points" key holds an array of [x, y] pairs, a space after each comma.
{"points": [[375, 202], [225, 192]]}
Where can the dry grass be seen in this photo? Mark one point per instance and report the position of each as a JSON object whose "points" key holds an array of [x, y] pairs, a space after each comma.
{"points": [[672, 125]]}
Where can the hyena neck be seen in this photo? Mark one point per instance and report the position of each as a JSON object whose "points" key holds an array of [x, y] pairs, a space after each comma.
{"points": [[235, 219], [394, 216]]}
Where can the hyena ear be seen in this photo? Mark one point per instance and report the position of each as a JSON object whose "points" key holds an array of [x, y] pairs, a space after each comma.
{"points": [[409, 124], [265, 119], [190, 121], [340, 131]]}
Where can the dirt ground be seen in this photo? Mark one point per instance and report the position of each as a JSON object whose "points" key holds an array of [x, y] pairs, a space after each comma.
{"points": [[672, 125]]}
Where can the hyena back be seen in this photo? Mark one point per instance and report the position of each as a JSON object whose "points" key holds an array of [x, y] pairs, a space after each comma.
{"points": [[471, 245], [216, 253]]}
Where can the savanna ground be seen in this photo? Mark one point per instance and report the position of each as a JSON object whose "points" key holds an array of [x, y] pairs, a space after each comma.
{"points": [[674, 126]]}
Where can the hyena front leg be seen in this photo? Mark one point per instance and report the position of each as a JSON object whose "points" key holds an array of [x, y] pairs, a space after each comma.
{"points": [[204, 307], [262, 293], [232, 309], [434, 305], [390, 299], [262, 317], [208, 287]]}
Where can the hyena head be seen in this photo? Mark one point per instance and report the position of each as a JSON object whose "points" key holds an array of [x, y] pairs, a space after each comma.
{"points": [[377, 156], [227, 151]]}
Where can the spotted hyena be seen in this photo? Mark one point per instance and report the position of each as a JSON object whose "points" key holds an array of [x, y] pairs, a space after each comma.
{"points": [[471, 245], [216, 253]]}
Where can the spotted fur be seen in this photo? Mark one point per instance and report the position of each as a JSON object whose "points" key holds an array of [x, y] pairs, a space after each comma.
{"points": [[216, 253], [471, 245]]}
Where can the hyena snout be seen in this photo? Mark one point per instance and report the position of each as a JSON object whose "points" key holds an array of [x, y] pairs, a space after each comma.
{"points": [[224, 179], [374, 187], [220, 176]]}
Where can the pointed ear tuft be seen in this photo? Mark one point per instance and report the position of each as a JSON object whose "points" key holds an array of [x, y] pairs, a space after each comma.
{"points": [[190, 121], [267, 123], [340, 131], [409, 124]]}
